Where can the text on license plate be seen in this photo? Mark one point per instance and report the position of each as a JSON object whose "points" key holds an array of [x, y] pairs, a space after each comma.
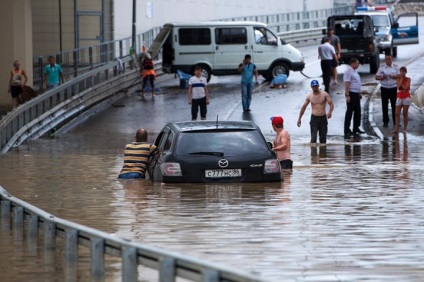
{"points": [[215, 173]]}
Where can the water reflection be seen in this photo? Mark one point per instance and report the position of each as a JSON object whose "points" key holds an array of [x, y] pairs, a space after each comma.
{"points": [[345, 212]]}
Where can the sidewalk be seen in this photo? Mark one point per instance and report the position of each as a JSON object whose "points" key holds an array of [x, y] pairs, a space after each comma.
{"points": [[415, 115]]}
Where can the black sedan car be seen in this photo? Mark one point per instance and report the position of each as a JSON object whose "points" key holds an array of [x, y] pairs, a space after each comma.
{"points": [[209, 151]]}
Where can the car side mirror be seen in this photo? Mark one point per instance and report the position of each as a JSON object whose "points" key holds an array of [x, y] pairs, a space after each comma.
{"points": [[396, 25]]}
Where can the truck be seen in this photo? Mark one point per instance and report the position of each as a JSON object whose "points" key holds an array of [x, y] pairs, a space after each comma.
{"points": [[357, 39], [389, 32]]}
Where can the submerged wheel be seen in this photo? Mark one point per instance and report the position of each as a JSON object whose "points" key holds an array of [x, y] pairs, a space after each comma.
{"points": [[394, 52]]}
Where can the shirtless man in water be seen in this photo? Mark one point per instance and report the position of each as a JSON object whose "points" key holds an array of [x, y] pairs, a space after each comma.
{"points": [[281, 143], [318, 100]]}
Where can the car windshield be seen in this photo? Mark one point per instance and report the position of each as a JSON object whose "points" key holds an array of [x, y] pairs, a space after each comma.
{"points": [[380, 20], [221, 143]]}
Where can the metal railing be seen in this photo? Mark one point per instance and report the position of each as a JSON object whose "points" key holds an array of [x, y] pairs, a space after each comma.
{"points": [[64, 103], [169, 265], [79, 61]]}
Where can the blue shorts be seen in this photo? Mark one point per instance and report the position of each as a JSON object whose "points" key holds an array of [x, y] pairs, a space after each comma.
{"points": [[130, 175]]}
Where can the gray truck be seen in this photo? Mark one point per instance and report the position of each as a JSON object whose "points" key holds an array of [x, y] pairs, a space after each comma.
{"points": [[357, 39]]}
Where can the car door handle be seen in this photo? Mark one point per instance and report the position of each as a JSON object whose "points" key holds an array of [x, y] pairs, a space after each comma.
{"points": [[259, 51]]}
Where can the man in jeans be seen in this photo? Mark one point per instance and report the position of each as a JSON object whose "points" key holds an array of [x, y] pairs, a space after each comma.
{"points": [[248, 70], [318, 100], [387, 75]]}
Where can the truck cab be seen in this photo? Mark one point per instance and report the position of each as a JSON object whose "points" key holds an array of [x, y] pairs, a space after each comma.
{"points": [[388, 31], [357, 39]]}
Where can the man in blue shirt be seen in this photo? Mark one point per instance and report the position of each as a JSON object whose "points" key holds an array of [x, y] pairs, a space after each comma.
{"points": [[53, 74], [248, 70]]}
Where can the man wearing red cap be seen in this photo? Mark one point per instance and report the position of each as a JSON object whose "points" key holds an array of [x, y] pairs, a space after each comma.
{"points": [[281, 144]]}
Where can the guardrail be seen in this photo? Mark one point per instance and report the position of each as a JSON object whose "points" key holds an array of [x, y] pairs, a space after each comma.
{"points": [[169, 265], [64, 103], [295, 37]]}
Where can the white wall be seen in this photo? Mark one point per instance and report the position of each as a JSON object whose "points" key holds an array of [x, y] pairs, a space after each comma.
{"points": [[163, 11]]}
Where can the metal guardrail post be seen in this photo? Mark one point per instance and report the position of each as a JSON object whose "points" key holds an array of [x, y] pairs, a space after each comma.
{"points": [[5, 211], [75, 57], [71, 254], [90, 56], [49, 234], [129, 264], [167, 269], [33, 227], [210, 275], [121, 49], [41, 72], [18, 223], [97, 257]]}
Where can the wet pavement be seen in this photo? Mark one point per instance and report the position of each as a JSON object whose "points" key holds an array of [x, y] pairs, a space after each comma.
{"points": [[349, 211]]}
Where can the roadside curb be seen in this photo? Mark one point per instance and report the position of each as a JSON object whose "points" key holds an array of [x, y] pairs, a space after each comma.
{"points": [[369, 109]]}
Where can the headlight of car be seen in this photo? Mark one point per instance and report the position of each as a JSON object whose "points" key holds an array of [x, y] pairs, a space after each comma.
{"points": [[171, 169], [272, 166]]}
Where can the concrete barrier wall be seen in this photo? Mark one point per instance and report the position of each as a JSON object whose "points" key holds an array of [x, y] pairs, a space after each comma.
{"points": [[155, 13]]}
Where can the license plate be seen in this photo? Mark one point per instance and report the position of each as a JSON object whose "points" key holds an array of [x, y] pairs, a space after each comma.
{"points": [[218, 173]]}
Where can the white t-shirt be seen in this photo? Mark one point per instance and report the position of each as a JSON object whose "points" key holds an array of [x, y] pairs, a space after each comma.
{"points": [[198, 85]]}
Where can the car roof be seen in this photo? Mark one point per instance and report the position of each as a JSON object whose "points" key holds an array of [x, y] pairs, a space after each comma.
{"points": [[188, 126]]}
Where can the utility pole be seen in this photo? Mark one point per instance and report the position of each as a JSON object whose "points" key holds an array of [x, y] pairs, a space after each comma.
{"points": [[134, 25]]}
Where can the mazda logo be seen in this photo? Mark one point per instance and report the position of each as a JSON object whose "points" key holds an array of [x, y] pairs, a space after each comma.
{"points": [[223, 163]]}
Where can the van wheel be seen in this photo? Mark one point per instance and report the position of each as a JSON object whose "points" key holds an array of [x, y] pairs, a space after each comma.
{"points": [[206, 71], [375, 63], [394, 52], [276, 69]]}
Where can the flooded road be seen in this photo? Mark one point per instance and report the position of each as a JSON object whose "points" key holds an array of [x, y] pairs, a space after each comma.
{"points": [[348, 211]]}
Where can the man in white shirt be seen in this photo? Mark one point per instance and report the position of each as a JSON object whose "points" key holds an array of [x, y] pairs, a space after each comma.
{"points": [[327, 54], [387, 75]]}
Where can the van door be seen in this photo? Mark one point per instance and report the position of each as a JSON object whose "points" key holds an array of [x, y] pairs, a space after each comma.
{"points": [[193, 45], [265, 48], [407, 31], [160, 39], [231, 45]]}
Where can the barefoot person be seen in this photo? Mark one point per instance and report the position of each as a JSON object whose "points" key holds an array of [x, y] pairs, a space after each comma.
{"points": [[403, 100], [319, 117], [281, 144]]}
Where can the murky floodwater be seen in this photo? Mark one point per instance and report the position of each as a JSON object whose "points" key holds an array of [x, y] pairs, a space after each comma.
{"points": [[348, 211]]}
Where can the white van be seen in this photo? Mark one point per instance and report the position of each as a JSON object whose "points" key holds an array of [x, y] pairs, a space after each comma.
{"points": [[219, 48]]}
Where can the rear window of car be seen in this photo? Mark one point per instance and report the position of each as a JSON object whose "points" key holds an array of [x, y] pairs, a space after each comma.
{"points": [[227, 143]]}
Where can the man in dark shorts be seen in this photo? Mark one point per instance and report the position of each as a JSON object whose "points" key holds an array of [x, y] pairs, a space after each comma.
{"points": [[335, 42]]}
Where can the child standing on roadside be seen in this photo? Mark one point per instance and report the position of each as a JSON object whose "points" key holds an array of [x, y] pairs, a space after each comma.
{"points": [[198, 96]]}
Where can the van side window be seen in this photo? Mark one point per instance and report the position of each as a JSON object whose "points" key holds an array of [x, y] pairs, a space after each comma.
{"points": [[264, 36], [194, 36], [234, 35]]}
